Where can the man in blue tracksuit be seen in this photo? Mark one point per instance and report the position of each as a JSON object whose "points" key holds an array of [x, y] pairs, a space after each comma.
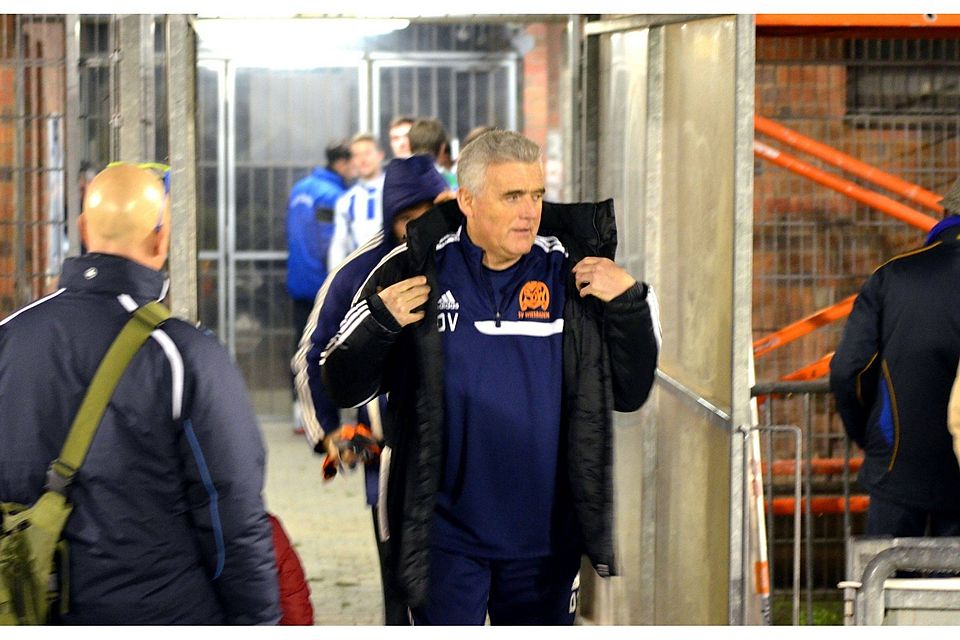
{"points": [[505, 336], [411, 186], [168, 523], [310, 211]]}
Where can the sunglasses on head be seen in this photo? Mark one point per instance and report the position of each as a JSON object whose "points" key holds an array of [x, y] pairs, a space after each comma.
{"points": [[162, 171]]}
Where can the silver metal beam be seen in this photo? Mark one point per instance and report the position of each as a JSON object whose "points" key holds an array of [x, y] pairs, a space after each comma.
{"points": [[742, 339], [181, 66], [652, 261], [570, 112], [72, 130], [643, 21], [23, 290], [137, 90]]}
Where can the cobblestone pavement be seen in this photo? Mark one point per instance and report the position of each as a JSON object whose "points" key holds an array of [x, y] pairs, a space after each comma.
{"points": [[330, 526]]}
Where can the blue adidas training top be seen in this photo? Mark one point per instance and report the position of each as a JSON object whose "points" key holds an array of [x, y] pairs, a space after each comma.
{"points": [[502, 493]]}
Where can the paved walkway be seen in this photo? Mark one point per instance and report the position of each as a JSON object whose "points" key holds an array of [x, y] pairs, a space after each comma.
{"points": [[330, 525]]}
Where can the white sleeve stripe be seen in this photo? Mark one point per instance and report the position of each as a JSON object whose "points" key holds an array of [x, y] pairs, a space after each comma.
{"points": [[550, 243], [312, 428], [128, 303], [450, 237], [31, 305], [654, 305], [396, 251], [176, 369], [344, 333]]}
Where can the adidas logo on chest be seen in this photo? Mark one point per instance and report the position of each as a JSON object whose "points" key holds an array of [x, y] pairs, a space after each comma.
{"points": [[448, 312]]}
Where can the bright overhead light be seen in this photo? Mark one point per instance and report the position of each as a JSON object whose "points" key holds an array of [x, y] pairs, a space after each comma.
{"points": [[299, 40]]}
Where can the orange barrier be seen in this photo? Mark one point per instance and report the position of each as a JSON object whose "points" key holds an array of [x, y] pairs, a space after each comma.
{"points": [[848, 163], [812, 371], [822, 466], [800, 328], [846, 187], [818, 506], [857, 20]]}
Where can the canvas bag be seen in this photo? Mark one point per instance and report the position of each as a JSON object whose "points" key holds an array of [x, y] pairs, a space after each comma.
{"points": [[33, 558]]}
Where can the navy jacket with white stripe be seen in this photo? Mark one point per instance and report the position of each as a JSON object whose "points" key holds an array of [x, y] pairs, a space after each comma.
{"points": [[169, 525]]}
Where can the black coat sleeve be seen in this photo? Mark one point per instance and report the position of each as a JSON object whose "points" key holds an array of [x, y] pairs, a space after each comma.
{"points": [[632, 326], [855, 367], [354, 365]]}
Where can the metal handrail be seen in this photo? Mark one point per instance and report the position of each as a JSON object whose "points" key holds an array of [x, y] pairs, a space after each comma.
{"points": [[942, 554]]}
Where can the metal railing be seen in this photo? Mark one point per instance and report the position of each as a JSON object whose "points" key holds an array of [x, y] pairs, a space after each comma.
{"points": [[813, 452]]}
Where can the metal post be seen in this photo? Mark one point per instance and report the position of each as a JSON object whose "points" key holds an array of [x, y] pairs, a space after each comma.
{"points": [[768, 494], [797, 495], [571, 115], [181, 100], [229, 248], [22, 285], [135, 127], [742, 287], [72, 130], [651, 269], [808, 507], [148, 70], [847, 523], [589, 118]]}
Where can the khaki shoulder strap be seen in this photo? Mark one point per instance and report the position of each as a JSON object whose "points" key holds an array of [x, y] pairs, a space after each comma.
{"points": [[105, 380]]}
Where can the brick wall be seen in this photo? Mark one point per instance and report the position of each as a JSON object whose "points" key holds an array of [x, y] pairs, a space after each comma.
{"points": [[813, 246]]}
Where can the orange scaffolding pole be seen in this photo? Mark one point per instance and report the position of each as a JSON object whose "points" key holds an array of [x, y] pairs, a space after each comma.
{"points": [[820, 466], [812, 371], [800, 328], [784, 506], [848, 163], [846, 187]]}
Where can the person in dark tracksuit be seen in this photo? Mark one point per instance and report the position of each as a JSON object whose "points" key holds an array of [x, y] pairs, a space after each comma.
{"points": [[892, 374], [410, 188], [168, 523], [505, 336], [310, 228]]}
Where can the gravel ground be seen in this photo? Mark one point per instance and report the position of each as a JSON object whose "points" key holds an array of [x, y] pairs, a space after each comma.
{"points": [[330, 526]]}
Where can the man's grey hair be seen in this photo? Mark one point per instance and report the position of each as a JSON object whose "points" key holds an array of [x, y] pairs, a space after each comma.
{"points": [[493, 147]]}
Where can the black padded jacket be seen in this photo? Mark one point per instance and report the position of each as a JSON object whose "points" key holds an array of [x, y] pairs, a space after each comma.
{"points": [[609, 359]]}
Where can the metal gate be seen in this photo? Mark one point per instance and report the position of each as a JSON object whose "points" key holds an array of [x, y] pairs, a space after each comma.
{"points": [[262, 129]]}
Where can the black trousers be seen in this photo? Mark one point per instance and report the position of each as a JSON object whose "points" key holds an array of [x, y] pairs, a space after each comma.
{"points": [[395, 612], [885, 518], [301, 313]]}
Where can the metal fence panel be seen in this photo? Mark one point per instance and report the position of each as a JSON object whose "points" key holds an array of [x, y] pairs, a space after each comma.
{"points": [[668, 152]]}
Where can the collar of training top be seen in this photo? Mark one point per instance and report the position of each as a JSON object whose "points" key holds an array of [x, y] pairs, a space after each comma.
{"points": [[106, 273], [585, 228]]}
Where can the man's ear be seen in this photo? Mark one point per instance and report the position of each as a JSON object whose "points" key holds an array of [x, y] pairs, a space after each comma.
{"points": [[465, 200], [82, 225], [161, 241]]}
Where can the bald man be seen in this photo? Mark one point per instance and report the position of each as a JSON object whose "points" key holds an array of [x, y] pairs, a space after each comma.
{"points": [[168, 525]]}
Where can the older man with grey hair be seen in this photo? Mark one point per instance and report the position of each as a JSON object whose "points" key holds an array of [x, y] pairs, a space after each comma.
{"points": [[506, 336]]}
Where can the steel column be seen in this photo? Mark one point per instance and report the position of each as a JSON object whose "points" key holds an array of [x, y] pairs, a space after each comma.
{"points": [[741, 312], [134, 121], [652, 260], [181, 100], [23, 290], [72, 131]]}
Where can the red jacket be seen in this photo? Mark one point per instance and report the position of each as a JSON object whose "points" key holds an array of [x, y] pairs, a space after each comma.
{"points": [[294, 591]]}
